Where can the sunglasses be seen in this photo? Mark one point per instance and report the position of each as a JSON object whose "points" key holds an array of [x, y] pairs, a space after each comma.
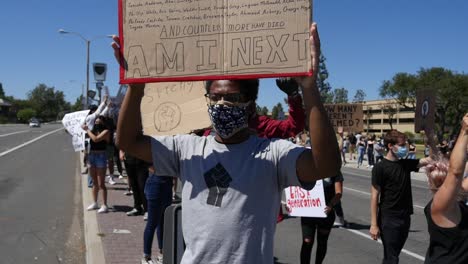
{"points": [[234, 98]]}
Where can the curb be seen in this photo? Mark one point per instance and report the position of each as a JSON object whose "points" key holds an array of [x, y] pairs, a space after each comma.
{"points": [[93, 242]]}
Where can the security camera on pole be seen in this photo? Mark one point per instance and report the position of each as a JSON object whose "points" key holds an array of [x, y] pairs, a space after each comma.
{"points": [[99, 70]]}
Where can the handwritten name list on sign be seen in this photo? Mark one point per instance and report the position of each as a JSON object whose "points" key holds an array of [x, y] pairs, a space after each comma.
{"points": [[180, 40], [347, 117]]}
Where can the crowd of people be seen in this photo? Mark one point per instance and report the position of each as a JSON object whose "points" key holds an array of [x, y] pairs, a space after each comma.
{"points": [[221, 167]]}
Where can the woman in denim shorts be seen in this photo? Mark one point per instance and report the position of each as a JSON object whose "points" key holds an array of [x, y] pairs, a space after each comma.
{"points": [[97, 161]]}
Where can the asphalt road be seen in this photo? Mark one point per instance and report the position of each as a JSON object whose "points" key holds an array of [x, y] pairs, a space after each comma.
{"points": [[40, 197], [352, 244]]}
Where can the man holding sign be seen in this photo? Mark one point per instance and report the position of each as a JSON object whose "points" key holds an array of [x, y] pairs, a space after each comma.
{"points": [[226, 217]]}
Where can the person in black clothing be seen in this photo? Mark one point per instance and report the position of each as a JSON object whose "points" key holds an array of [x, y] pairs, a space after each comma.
{"points": [[352, 147], [391, 184], [137, 173], [97, 161], [333, 188], [447, 213]]}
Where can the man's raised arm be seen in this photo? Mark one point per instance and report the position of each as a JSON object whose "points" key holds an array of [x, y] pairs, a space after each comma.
{"points": [[324, 160]]}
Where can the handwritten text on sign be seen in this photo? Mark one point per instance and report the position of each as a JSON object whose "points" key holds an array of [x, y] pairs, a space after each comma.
{"points": [[72, 123], [170, 108], [180, 39], [301, 202], [347, 116]]}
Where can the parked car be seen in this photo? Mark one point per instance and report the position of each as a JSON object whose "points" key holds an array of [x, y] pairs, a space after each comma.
{"points": [[34, 123]]}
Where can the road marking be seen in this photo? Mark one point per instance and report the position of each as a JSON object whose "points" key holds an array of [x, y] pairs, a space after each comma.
{"points": [[4, 135], [29, 142], [407, 252], [368, 194]]}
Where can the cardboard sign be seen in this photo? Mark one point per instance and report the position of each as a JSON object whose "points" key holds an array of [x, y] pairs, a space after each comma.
{"points": [[187, 40], [346, 117], [425, 110], [301, 202], [72, 123], [174, 108]]}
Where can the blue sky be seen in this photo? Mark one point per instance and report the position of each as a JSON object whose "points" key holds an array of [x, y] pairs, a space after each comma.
{"points": [[365, 42]]}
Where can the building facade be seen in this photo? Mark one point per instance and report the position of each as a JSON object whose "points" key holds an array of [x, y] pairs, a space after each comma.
{"points": [[379, 113]]}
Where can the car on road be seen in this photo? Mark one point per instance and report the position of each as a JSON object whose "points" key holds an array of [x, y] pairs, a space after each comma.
{"points": [[34, 122]]}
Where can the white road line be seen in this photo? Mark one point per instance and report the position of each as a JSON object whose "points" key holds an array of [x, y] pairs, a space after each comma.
{"points": [[29, 142], [4, 135], [407, 252], [368, 194]]}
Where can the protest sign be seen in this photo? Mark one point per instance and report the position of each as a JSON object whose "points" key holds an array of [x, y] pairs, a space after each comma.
{"points": [[188, 40], [174, 108], [301, 202], [425, 110], [347, 116], [72, 123]]}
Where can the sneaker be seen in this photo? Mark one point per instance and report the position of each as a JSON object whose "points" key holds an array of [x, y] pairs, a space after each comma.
{"points": [[134, 212], [103, 209], [121, 176], [367, 166], [129, 192], [93, 206], [145, 217], [147, 261], [111, 181], [159, 260], [340, 221]]}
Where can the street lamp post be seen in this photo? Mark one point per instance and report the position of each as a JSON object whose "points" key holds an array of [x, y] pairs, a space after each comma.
{"points": [[88, 42]]}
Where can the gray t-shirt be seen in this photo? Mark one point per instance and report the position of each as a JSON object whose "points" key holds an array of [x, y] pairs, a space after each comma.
{"points": [[231, 194]]}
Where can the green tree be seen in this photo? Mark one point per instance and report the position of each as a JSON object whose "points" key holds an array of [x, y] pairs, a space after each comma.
{"points": [[262, 110], [324, 87], [2, 93], [340, 96], [277, 111], [24, 115], [47, 102], [78, 105], [359, 97], [390, 110], [451, 89]]}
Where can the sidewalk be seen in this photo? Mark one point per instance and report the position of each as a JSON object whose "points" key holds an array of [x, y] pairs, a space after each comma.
{"points": [[115, 238]]}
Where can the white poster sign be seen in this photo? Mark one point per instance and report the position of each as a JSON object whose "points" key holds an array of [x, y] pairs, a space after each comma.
{"points": [[301, 202], [72, 123]]}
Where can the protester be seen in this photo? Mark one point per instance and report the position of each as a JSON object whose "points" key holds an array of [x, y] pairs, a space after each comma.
{"points": [[341, 146], [443, 147], [158, 192], [226, 218], [370, 152], [379, 150], [391, 185], [333, 189], [89, 122], [352, 149], [266, 127], [137, 174], [447, 213], [411, 150], [361, 150], [97, 160]]}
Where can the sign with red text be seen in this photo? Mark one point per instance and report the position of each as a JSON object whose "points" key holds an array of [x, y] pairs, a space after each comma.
{"points": [[346, 117], [181, 40], [301, 202]]}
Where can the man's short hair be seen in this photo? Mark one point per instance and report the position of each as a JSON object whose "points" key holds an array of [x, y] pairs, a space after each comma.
{"points": [[392, 137], [248, 87]]}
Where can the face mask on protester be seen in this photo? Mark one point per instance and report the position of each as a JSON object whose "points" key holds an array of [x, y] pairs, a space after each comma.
{"points": [[227, 120], [401, 152]]}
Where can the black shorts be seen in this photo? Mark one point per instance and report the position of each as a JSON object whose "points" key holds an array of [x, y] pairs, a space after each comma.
{"points": [[311, 224]]}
